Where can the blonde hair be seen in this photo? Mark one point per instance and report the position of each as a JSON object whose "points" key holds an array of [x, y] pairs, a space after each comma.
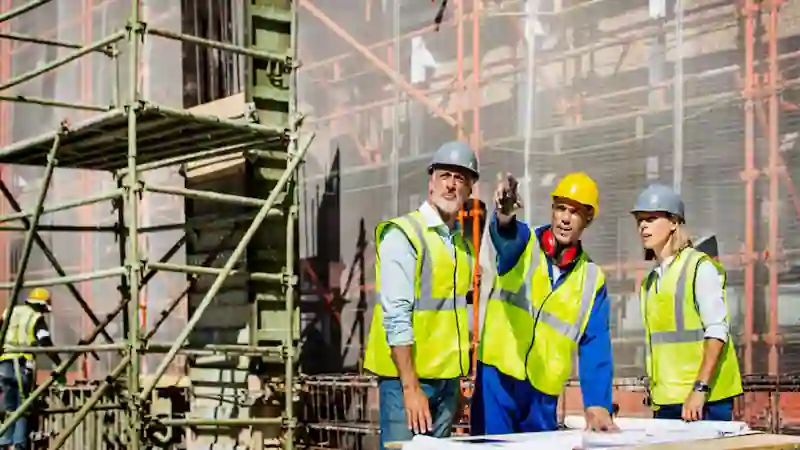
{"points": [[680, 239]]}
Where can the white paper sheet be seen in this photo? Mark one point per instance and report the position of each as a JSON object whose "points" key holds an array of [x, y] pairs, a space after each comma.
{"points": [[634, 431]]}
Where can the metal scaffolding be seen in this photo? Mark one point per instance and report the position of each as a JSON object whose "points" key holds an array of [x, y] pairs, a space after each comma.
{"points": [[130, 138]]}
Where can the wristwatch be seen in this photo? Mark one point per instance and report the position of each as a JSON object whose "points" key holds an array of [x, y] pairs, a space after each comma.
{"points": [[701, 386]]}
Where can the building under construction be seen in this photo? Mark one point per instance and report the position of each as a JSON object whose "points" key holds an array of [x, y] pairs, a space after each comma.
{"points": [[213, 292]]}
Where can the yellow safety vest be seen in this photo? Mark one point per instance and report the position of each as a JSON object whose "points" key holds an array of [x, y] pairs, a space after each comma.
{"points": [[675, 335], [531, 331], [441, 337], [20, 331]]}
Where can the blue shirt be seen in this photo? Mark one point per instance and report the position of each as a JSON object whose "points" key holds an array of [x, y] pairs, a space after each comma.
{"points": [[398, 270], [595, 364]]}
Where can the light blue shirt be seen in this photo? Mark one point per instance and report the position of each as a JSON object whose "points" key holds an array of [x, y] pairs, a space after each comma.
{"points": [[398, 271]]}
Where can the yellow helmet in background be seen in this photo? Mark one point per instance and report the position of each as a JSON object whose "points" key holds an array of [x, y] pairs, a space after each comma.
{"points": [[579, 187], [39, 296]]}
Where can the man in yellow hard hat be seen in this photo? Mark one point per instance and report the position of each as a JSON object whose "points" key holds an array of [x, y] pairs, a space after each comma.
{"points": [[28, 328], [548, 302]]}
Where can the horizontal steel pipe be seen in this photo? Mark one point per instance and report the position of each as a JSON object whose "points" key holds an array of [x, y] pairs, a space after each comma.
{"points": [[68, 348], [257, 54], [222, 422], [77, 278], [208, 195], [116, 193], [63, 61], [181, 268]]}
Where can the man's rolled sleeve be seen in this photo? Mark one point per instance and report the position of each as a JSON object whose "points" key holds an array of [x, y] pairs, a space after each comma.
{"points": [[595, 362], [398, 267], [710, 302]]}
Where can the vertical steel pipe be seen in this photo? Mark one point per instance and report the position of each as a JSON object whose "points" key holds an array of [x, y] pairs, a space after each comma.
{"points": [[131, 203]]}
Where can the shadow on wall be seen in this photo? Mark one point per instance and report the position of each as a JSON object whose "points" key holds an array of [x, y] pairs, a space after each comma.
{"points": [[330, 335]]}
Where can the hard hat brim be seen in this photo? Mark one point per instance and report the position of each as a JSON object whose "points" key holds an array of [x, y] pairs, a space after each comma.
{"points": [[38, 302], [455, 167]]}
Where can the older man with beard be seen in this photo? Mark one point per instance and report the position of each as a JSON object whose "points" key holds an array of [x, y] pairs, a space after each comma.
{"points": [[418, 343]]}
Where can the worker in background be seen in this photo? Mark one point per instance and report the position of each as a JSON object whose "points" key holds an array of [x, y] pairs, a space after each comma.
{"points": [[548, 302], [691, 362], [17, 370], [418, 343]]}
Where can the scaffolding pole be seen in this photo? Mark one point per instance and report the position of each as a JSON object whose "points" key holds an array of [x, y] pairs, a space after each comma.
{"points": [[146, 148]]}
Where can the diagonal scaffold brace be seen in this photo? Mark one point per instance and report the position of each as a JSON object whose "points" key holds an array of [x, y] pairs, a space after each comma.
{"points": [[29, 235], [54, 262], [44, 387], [237, 253]]}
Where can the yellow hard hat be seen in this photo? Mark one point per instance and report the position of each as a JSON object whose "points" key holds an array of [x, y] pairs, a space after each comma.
{"points": [[39, 295], [579, 187]]}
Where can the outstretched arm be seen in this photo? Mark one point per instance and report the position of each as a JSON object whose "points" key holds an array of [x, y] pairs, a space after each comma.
{"points": [[509, 242]]}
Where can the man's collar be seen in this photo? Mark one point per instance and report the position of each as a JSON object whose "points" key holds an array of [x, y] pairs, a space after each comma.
{"points": [[432, 218]]}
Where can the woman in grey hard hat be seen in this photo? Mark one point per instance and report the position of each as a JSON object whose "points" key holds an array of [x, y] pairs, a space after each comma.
{"points": [[690, 360]]}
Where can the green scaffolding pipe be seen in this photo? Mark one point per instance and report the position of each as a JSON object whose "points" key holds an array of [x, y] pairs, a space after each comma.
{"points": [[44, 282], [87, 407], [232, 261], [30, 400], [22, 9], [30, 239], [68, 348], [64, 206], [222, 422], [257, 54], [54, 103], [51, 42], [62, 228], [215, 349], [209, 195], [133, 192], [200, 270], [294, 118], [63, 61]]}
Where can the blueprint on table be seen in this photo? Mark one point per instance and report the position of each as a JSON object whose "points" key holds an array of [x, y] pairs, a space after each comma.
{"points": [[633, 432]]}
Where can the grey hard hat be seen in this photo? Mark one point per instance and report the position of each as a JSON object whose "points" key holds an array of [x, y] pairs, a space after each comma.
{"points": [[659, 198], [458, 154]]}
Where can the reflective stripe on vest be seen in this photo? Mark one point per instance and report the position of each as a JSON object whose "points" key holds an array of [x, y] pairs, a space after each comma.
{"points": [[426, 301], [20, 331], [673, 357], [439, 318], [537, 343], [574, 331]]}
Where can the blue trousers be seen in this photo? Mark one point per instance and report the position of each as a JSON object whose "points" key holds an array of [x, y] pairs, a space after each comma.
{"points": [[10, 385], [502, 405], [443, 398], [721, 410]]}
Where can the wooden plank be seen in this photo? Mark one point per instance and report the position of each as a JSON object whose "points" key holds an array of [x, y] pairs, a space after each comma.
{"points": [[220, 166]]}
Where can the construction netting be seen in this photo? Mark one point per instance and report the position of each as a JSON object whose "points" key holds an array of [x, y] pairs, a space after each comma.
{"points": [[631, 92], [98, 80]]}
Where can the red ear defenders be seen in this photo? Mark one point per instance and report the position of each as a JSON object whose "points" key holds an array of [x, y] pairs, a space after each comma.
{"points": [[561, 257]]}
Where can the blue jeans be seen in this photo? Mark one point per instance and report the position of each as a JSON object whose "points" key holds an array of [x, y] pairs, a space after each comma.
{"points": [[443, 398], [17, 435], [721, 410], [501, 404]]}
